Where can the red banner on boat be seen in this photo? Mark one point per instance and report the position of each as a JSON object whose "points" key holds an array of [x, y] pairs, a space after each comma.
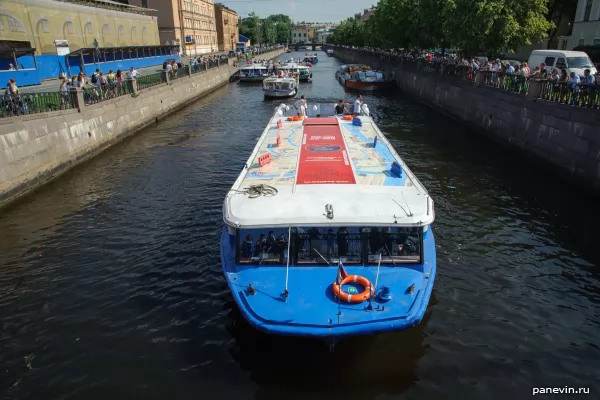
{"points": [[323, 157]]}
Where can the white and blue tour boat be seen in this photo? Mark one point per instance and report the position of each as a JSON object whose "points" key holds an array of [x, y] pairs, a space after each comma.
{"points": [[327, 232], [254, 72], [280, 86], [303, 72], [311, 58]]}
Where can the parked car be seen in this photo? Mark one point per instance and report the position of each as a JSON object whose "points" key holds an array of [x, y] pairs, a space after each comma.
{"points": [[591, 50], [572, 61]]}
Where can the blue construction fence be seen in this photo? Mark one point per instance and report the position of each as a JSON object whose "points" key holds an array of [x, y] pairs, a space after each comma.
{"points": [[50, 66]]}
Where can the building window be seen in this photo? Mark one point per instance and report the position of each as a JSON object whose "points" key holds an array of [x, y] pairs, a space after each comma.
{"points": [[44, 26], [581, 42], [587, 10], [596, 42], [105, 29], [68, 28], [144, 34], [88, 28], [1, 24], [133, 32], [145, 3], [121, 31]]}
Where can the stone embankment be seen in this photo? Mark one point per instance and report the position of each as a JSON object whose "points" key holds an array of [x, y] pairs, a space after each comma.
{"points": [[560, 136], [38, 147]]}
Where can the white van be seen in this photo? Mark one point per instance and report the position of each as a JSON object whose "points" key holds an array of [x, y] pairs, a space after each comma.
{"points": [[572, 61]]}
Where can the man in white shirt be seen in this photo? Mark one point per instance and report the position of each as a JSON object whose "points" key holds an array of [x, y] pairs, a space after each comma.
{"points": [[133, 74], [11, 67], [301, 106], [357, 105]]}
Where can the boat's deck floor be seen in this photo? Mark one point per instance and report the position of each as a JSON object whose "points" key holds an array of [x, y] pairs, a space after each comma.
{"points": [[371, 165]]}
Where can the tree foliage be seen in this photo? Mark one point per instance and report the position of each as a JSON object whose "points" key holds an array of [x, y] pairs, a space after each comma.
{"points": [[472, 26], [273, 29]]}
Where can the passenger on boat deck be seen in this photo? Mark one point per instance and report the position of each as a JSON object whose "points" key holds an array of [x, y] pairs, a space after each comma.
{"points": [[330, 240], [301, 105], [270, 240], [260, 245], [247, 247], [342, 239], [357, 104], [340, 107]]}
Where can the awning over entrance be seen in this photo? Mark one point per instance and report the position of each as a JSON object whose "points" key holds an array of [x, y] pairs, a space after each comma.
{"points": [[13, 49], [100, 50]]}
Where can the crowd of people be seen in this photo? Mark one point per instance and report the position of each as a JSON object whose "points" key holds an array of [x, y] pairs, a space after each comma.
{"points": [[558, 84]]}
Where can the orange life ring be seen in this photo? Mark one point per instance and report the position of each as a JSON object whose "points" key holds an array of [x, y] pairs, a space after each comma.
{"points": [[290, 118], [348, 117], [354, 298]]}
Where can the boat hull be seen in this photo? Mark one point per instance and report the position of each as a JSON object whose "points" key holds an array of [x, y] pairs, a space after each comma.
{"points": [[252, 78], [279, 93], [366, 86], [310, 311]]}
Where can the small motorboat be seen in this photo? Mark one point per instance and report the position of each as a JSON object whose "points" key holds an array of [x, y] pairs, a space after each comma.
{"points": [[311, 58], [330, 53], [362, 77]]}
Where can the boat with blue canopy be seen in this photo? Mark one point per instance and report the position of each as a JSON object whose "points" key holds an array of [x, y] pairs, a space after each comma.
{"points": [[311, 58], [327, 233]]}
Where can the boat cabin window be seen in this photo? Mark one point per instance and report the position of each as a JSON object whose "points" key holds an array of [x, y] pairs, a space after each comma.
{"points": [[262, 246], [322, 245], [371, 74], [359, 76]]}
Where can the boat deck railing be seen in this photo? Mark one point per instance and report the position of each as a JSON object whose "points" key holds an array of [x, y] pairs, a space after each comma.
{"points": [[314, 110]]}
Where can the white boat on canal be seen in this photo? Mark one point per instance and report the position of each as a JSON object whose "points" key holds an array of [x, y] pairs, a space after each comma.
{"points": [[303, 72], [254, 72], [327, 233], [280, 87]]}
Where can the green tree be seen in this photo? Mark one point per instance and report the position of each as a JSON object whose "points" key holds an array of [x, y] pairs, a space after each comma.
{"points": [[269, 34], [283, 32], [472, 26]]}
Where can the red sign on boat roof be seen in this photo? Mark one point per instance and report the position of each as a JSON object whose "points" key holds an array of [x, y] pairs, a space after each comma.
{"points": [[323, 155]]}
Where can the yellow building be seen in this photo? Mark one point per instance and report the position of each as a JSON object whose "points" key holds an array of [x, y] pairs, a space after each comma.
{"points": [[227, 27], [42, 22], [200, 31]]}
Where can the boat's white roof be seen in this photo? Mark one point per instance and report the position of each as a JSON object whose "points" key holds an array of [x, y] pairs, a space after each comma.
{"points": [[323, 161], [293, 65], [254, 66], [276, 79]]}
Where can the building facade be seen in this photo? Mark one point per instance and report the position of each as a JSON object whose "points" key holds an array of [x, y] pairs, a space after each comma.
{"points": [[200, 30], [227, 27], [323, 34], [300, 34], [189, 23], [586, 27], [81, 24]]}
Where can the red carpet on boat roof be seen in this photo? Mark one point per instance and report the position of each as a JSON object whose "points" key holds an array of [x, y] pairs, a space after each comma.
{"points": [[323, 156]]}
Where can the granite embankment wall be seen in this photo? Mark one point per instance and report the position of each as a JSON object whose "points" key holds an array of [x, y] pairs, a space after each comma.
{"points": [[559, 136], [38, 147]]}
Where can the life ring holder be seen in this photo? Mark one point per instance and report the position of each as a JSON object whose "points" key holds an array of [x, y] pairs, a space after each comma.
{"points": [[354, 298]]}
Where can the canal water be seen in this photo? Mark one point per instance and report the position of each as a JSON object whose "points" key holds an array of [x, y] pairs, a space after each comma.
{"points": [[111, 287]]}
